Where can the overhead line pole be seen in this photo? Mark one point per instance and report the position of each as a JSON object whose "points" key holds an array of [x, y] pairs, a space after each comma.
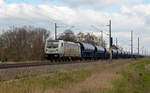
{"points": [[55, 31], [110, 44], [102, 38], [110, 40], [116, 41], [138, 46], [131, 43]]}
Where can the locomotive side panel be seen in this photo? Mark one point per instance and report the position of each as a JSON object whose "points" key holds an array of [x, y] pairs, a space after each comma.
{"points": [[72, 49]]}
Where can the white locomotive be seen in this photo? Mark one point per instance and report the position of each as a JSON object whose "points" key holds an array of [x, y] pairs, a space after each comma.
{"points": [[62, 49]]}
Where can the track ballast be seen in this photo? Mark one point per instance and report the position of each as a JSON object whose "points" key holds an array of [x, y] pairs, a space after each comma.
{"points": [[19, 65]]}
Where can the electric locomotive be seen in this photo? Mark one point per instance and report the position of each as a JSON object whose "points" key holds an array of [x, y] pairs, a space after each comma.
{"points": [[59, 49]]}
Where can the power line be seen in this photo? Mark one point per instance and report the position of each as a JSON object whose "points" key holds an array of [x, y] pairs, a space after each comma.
{"points": [[56, 26]]}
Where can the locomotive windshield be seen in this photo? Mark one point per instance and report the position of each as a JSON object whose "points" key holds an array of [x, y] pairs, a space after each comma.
{"points": [[52, 44]]}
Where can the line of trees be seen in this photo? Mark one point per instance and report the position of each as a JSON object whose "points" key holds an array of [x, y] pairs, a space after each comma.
{"points": [[68, 35], [27, 43]]}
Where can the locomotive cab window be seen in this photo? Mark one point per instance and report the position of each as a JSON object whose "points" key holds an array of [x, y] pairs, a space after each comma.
{"points": [[52, 44]]}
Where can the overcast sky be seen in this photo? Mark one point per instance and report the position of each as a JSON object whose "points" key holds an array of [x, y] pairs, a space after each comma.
{"points": [[126, 15]]}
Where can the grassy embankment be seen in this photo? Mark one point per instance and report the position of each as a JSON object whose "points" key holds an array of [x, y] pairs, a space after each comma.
{"points": [[136, 78], [57, 82], [39, 84], [128, 77]]}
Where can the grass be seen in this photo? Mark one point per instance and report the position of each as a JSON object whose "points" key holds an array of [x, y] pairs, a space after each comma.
{"points": [[49, 81], [39, 84], [133, 78], [136, 78], [20, 62]]}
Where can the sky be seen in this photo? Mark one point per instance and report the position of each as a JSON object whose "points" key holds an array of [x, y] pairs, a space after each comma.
{"points": [[85, 15]]}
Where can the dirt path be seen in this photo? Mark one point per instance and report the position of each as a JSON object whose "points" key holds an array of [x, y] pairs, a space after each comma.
{"points": [[99, 82]]}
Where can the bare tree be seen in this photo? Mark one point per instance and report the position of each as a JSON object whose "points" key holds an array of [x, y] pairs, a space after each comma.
{"points": [[80, 37], [90, 38], [68, 35], [24, 43]]}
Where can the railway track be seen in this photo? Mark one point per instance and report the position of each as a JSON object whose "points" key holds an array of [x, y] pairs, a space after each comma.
{"points": [[13, 71], [7, 66], [20, 65]]}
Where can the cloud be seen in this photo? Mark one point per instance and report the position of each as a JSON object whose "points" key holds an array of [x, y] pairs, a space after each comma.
{"points": [[1, 2], [98, 4], [135, 18]]}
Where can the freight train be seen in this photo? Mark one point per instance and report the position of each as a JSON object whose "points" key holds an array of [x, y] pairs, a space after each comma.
{"points": [[64, 50]]}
